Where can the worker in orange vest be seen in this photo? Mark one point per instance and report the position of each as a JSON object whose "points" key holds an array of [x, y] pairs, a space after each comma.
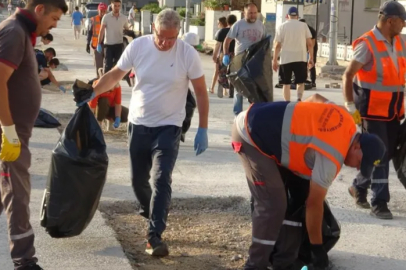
{"points": [[311, 139], [93, 37], [374, 94]]}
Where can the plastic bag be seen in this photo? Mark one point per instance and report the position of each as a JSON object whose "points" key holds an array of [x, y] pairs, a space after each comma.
{"points": [[254, 79], [399, 158], [82, 91], [190, 109], [46, 119], [76, 177]]}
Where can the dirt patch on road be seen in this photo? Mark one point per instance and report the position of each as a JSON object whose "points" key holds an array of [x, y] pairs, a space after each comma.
{"points": [[202, 233]]}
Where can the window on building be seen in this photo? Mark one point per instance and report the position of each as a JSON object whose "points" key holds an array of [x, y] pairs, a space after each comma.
{"points": [[372, 4]]}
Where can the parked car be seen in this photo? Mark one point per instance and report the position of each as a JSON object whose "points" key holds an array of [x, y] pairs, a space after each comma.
{"points": [[89, 14], [92, 6]]}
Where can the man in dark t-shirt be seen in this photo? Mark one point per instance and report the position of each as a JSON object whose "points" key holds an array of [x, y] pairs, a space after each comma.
{"points": [[19, 81], [315, 47]]}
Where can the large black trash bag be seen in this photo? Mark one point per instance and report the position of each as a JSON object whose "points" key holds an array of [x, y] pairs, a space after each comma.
{"points": [[76, 177], [190, 109], [331, 231], [46, 119], [399, 158], [254, 79]]}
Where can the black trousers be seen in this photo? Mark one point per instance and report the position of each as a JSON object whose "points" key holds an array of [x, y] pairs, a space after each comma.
{"points": [[112, 54], [313, 69], [388, 132]]}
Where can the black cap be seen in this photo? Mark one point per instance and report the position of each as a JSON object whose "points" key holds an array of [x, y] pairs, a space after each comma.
{"points": [[392, 8], [373, 151]]}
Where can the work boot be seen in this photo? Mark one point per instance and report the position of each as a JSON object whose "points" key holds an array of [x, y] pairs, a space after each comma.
{"points": [[156, 247], [381, 211], [360, 197]]}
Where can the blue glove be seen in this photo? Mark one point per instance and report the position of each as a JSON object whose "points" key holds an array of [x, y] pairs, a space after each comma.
{"points": [[63, 89], [304, 267], [201, 141], [80, 104], [99, 48], [117, 122], [226, 60]]}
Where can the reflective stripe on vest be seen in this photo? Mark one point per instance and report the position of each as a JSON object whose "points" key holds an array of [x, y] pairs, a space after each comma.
{"points": [[326, 128], [96, 22]]}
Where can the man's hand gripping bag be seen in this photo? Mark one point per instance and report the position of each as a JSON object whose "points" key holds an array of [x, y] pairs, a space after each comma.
{"points": [[76, 177]]}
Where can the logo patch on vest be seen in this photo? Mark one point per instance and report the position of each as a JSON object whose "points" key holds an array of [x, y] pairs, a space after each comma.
{"points": [[330, 120], [377, 162]]}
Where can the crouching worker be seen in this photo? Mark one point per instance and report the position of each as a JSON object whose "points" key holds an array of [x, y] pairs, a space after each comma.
{"points": [[107, 106], [312, 139]]}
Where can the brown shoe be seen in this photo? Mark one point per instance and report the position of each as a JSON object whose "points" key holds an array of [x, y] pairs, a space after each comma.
{"points": [[359, 197]]}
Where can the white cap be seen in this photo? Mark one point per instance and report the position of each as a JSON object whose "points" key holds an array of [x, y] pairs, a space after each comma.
{"points": [[191, 38]]}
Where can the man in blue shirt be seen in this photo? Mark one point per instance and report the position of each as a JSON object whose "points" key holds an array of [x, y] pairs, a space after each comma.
{"points": [[77, 21]]}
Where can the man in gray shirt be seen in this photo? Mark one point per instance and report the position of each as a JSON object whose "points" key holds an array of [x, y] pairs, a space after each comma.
{"points": [[111, 33], [246, 32]]}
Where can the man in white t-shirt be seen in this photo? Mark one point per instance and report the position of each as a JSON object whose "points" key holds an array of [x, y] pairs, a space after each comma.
{"points": [[293, 40], [163, 67]]}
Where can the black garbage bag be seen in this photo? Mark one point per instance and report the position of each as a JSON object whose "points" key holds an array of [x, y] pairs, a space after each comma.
{"points": [[254, 79], [46, 119], [82, 91], [76, 177], [331, 234], [190, 109], [399, 158]]}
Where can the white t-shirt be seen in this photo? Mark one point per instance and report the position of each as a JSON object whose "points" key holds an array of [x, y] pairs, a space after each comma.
{"points": [[161, 81], [293, 34]]}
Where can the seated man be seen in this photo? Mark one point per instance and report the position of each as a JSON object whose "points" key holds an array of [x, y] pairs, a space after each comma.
{"points": [[107, 106]]}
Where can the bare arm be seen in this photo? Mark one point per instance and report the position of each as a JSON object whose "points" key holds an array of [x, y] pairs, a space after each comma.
{"points": [[216, 51], [277, 50], [51, 77], [314, 212], [348, 76], [226, 45], [310, 46], [5, 114], [109, 80], [117, 110], [101, 33], [202, 98]]}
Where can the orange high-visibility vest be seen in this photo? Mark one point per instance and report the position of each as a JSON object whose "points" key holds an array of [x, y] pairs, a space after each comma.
{"points": [[379, 93], [326, 128], [96, 22]]}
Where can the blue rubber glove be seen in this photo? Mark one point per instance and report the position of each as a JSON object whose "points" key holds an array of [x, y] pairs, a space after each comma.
{"points": [[80, 104], [304, 268], [117, 122], [63, 89], [201, 141], [99, 48], [226, 60]]}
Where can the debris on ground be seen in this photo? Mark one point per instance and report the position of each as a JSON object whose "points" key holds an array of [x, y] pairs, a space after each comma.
{"points": [[202, 233]]}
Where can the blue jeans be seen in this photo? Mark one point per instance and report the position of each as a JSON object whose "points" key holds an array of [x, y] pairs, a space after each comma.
{"points": [[153, 150], [238, 99]]}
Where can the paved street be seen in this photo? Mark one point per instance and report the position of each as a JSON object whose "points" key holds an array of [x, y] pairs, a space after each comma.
{"points": [[366, 243]]}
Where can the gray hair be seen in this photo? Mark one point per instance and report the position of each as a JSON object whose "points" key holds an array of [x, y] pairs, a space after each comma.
{"points": [[167, 19]]}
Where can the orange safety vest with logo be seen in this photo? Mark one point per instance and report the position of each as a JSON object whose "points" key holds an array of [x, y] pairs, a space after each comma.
{"points": [[96, 24], [326, 128], [378, 93]]}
